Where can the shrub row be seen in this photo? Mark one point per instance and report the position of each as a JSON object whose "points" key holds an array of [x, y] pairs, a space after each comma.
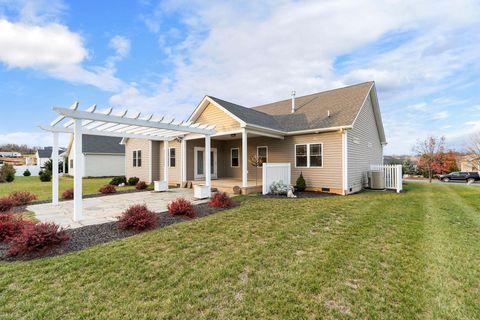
{"points": [[27, 237], [132, 181], [15, 199]]}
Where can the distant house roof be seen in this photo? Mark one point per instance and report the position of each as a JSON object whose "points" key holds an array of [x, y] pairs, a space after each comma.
{"points": [[102, 144], [46, 152], [328, 109]]}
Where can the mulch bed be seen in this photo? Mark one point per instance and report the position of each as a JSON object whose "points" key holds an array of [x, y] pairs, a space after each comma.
{"points": [[302, 194], [88, 236]]}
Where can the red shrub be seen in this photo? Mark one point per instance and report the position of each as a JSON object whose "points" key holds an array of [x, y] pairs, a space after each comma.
{"points": [[6, 204], [220, 200], [67, 194], [137, 217], [108, 188], [141, 185], [21, 198], [181, 206], [37, 238], [11, 225]]}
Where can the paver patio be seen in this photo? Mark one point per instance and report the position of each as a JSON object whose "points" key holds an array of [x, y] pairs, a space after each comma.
{"points": [[107, 208]]}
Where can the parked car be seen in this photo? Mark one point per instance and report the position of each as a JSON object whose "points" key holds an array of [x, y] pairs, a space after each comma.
{"points": [[460, 176]]}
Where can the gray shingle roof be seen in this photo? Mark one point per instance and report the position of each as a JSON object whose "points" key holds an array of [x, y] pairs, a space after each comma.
{"points": [[311, 111], [101, 144], [46, 152]]}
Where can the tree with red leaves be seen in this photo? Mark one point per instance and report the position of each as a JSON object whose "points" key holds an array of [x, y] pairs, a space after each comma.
{"points": [[428, 151]]}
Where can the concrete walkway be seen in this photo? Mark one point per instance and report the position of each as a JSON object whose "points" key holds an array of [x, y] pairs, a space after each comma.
{"points": [[107, 208]]}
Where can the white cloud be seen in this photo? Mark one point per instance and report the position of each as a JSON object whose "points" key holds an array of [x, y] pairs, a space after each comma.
{"points": [[440, 115], [36, 138], [121, 45]]}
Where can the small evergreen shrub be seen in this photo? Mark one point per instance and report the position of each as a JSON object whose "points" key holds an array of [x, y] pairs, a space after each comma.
{"points": [[37, 238], [220, 200], [108, 188], [45, 176], [6, 204], [67, 194], [132, 181], [11, 225], [181, 206], [21, 198], [118, 180], [27, 173], [137, 217], [7, 173], [301, 185], [141, 185]]}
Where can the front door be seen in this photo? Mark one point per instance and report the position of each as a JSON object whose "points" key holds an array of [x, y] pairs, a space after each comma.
{"points": [[199, 163]]}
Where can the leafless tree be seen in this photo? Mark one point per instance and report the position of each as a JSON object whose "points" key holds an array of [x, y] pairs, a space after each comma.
{"points": [[428, 150], [473, 150], [256, 162]]}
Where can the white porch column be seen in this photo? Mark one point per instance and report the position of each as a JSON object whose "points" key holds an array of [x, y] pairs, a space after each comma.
{"points": [[183, 151], [166, 158], [78, 170], [55, 169], [244, 159], [208, 161]]}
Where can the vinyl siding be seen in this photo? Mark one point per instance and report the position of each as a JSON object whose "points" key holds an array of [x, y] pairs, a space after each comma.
{"points": [[216, 116], [174, 173], [364, 147], [143, 172], [328, 176], [102, 165]]}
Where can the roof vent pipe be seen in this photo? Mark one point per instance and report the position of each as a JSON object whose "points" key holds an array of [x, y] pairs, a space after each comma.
{"points": [[328, 113], [293, 101]]}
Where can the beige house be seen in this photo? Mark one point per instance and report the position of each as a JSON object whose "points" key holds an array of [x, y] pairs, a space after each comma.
{"points": [[331, 137], [469, 163]]}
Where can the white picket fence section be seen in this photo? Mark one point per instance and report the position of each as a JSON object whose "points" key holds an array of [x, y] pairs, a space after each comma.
{"points": [[393, 175], [274, 172]]}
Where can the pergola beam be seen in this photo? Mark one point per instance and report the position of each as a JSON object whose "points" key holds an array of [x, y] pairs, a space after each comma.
{"points": [[85, 115]]}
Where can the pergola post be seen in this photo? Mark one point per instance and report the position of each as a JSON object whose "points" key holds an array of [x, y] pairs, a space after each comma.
{"points": [[208, 165], [183, 152], [244, 160], [77, 168], [55, 169], [166, 158]]}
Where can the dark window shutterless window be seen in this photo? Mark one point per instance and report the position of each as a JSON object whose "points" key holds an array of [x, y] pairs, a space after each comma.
{"points": [[316, 155], [262, 154], [137, 158], [234, 157], [172, 157], [301, 155]]}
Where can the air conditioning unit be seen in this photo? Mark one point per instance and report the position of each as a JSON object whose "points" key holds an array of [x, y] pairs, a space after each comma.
{"points": [[376, 180]]}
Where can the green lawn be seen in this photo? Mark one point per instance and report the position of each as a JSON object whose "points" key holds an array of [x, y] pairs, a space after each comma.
{"points": [[44, 189], [367, 256]]}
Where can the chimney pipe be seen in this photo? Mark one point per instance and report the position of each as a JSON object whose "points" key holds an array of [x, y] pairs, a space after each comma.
{"points": [[293, 101]]}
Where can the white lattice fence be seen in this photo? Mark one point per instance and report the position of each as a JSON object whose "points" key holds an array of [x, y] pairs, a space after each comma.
{"points": [[274, 172], [393, 175]]}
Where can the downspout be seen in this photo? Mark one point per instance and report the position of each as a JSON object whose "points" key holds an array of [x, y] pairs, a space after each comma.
{"points": [[344, 162]]}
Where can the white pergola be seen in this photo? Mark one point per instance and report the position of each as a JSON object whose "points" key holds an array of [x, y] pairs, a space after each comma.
{"points": [[107, 123]]}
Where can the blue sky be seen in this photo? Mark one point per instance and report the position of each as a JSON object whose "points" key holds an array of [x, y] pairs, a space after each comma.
{"points": [[163, 57]]}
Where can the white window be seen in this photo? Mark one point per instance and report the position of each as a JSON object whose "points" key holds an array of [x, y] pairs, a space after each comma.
{"points": [[234, 158], [262, 154], [309, 155], [137, 158], [172, 157]]}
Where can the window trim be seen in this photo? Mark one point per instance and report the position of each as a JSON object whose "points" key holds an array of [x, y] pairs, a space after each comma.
{"points": [[308, 154], [238, 157], [170, 157], [135, 158], [266, 147]]}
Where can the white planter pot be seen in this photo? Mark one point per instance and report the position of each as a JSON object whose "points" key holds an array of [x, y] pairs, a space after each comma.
{"points": [[201, 191], [160, 186]]}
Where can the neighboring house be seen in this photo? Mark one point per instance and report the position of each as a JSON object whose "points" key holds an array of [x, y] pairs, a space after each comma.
{"points": [[10, 154], [101, 156], [469, 163], [331, 137], [44, 154]]}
